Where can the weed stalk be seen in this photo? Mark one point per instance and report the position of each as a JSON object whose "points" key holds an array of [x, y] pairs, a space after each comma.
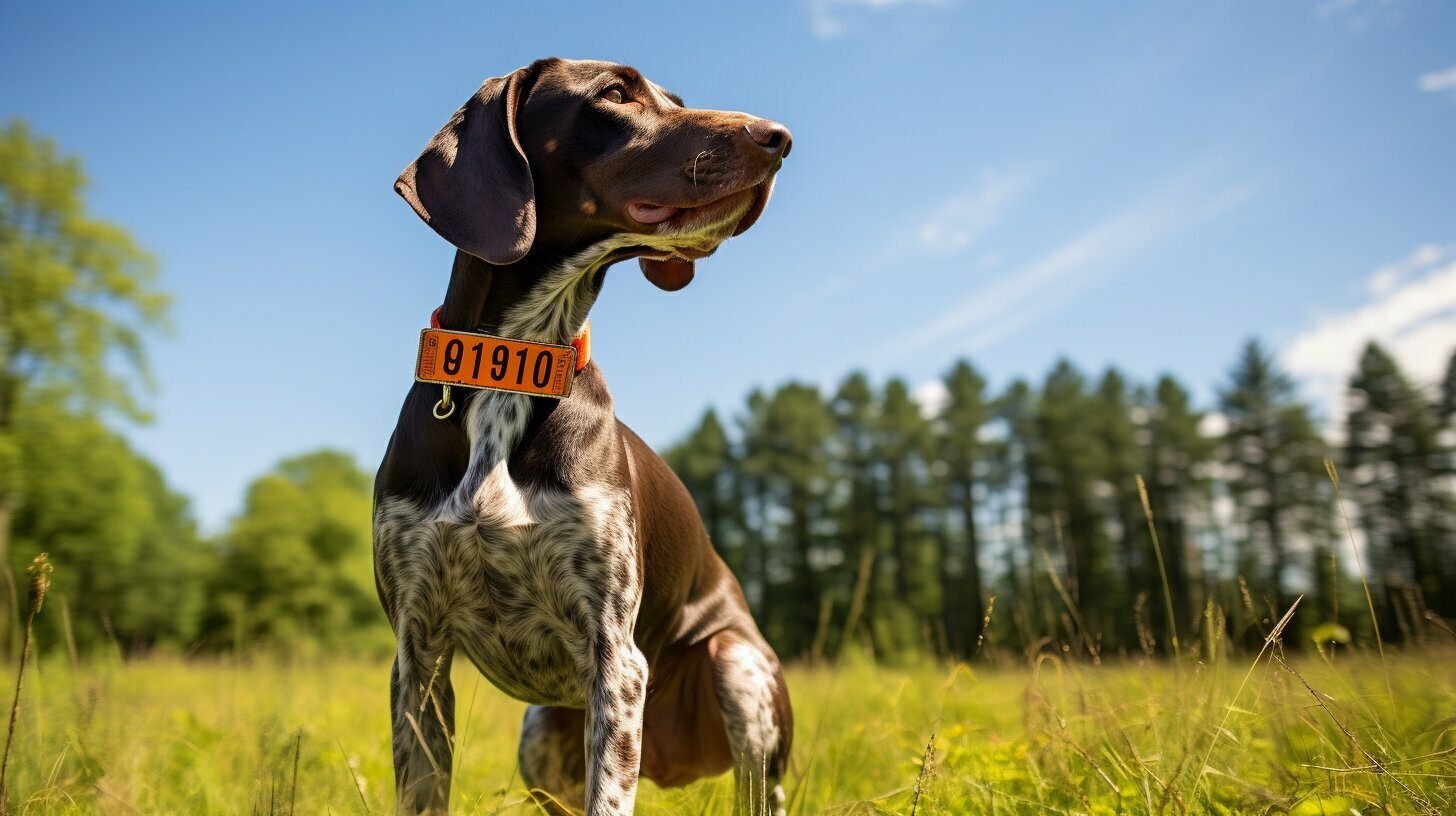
{"points": [[36, 587]]}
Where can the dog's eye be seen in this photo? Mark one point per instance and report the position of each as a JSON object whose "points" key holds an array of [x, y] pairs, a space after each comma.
{"points": [[616, 94]]}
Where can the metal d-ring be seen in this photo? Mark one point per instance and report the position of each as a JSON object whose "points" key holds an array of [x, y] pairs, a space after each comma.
{"points": [[444, 408]]}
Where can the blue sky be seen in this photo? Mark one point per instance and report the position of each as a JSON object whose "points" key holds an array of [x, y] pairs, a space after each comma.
{"points": [[1138, 183]]}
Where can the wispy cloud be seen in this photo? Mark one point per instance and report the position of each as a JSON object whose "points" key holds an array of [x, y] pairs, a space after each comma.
{"points": [[1411, 310], [963, 220], [1437, 81], [1359, 15], [1052, 281], [828, 17]]}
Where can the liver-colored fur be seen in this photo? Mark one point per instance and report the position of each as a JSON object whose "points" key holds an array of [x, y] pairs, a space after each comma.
{"points": [[542, 539]]}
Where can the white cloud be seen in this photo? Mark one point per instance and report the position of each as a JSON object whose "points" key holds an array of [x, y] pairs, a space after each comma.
{"points": [[963, 220], [1013, 301], [1393, 274], [1332, 8], [1359, 15], [1411, 311], [1437, 81], [827, 19]]}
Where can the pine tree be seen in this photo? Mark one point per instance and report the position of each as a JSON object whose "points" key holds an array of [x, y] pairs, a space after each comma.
{"points": [[1177, 457], [854, 408], [1275, 457], [1029, 601], [1399, 467], [752, 489], [705, 462], [1448, 392], [1118, 455], [1061, 497], [964, 455], [901, 442], [792, 429]]}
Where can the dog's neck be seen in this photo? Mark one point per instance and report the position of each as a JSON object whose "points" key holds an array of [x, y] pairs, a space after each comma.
{"points": [[543, 298]]}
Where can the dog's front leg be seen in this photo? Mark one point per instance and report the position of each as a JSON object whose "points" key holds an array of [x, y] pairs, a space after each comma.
{"points": [[617, 688], [422, 707]]}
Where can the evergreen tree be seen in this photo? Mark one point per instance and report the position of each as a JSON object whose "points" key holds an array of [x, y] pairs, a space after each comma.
{"points": [[1448, 392], [752, 489], [705, 462], [902, 437], [1029, 596], [790, 445], [1399, 470], [1275, 459], [854, 409], [1117, 458], [1177, 458], [966, 459], [1061, 496]]}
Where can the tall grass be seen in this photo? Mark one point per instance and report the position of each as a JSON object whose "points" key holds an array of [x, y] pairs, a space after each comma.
{"points": [[1056, 735]]}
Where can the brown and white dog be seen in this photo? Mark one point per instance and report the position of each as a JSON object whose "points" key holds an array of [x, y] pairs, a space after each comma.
{"points": [[541, 537]]}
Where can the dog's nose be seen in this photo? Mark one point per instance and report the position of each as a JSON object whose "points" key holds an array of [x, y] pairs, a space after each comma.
{"points": [[771, 136]]}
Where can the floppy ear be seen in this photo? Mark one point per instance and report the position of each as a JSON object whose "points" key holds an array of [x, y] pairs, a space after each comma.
{"points": [[472, 184]]}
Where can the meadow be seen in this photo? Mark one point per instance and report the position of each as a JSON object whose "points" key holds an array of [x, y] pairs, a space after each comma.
{"points": [[1317, 734]]}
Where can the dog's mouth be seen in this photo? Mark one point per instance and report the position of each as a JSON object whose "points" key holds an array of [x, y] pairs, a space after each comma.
{"points": [[682, 234], [675, 217]]}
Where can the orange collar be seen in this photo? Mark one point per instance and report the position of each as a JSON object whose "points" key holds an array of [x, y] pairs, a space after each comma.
{"points": [[581, 342]]}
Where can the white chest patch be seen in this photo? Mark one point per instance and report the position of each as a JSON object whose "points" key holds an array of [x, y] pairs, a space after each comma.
{"points": [[523, 583]]}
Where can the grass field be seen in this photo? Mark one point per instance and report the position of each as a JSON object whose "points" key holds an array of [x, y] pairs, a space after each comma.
{"points": [[1236, 735]]}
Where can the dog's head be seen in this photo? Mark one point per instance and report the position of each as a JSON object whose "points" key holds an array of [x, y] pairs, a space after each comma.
{"points": [[563, 154]]}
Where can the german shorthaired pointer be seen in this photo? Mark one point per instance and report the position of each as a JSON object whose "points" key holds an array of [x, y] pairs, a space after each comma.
{"points": [[541, 537]]}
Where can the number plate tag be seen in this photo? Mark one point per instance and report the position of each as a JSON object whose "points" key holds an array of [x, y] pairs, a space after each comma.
{"points": [[482, 361]]}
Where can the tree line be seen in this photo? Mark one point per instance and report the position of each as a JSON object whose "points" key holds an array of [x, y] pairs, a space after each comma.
{"points": [[1104, 516], [863, 518]]}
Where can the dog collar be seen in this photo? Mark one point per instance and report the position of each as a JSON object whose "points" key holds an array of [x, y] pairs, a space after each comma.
{"points": [[472, 360], [581, 342]]}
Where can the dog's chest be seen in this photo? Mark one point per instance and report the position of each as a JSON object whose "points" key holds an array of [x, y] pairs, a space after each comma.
{"points": [[519, 578]]}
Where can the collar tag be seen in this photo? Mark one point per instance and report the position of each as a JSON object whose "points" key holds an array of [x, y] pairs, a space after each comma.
{"points": [[495, 363]]}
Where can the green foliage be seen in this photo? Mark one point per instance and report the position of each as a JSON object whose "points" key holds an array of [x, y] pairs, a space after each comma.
{"points": [[131, 563], [297, 568], [76, 293], [76, 297]]}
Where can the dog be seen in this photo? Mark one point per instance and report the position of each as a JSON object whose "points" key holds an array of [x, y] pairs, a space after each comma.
{"points": [[540, 537]]}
